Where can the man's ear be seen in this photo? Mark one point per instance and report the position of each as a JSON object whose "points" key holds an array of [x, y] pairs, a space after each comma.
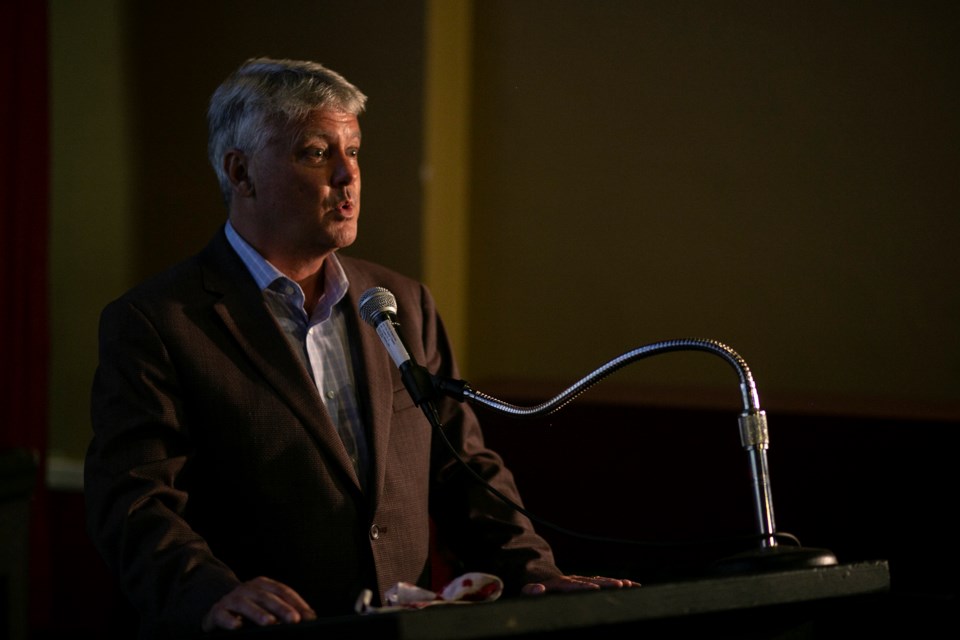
{"points": [[237, 167]]}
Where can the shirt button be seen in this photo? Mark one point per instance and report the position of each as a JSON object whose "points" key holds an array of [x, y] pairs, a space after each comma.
{"points": [[331, 394], [374, 532]]}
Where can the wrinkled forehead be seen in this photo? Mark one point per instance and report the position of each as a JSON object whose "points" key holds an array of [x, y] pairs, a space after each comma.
{"points": [[322, 123]]}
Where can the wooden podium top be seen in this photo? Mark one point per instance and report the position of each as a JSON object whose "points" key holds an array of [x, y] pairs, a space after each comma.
{"points": [[702, 604]]}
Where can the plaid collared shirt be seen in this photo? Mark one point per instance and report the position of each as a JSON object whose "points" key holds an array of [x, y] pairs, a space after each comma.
{"points": [[321, 340]]}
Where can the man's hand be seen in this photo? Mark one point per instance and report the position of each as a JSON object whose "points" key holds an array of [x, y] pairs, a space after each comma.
{"points": [[576, 583], [262, 601]]}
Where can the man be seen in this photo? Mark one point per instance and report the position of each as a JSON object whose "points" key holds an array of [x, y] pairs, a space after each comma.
{"points": [[256, 458]]}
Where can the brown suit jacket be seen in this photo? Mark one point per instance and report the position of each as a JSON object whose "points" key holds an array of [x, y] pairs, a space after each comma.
{"points": [[214, 460]]}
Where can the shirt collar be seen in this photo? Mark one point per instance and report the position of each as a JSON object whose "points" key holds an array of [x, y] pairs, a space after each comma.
{"points": [[266, 275]]}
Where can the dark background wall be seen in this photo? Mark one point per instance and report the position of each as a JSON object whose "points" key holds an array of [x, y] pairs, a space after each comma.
{"points": [[778, 176]]}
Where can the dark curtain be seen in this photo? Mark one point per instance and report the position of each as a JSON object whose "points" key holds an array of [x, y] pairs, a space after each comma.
{"points": [[24, 199]]}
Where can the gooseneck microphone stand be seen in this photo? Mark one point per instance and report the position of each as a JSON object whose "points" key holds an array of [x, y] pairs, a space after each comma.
{"points": [[378, 308], [753, 436]]}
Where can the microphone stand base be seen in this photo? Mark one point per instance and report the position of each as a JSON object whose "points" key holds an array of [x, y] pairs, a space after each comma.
{"points": [[777, 558]]}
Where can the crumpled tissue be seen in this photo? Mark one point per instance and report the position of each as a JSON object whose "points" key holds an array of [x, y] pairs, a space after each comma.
{"points": [[470, 587]]}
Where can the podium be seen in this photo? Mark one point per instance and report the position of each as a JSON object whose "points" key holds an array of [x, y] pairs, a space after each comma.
{"points": [[812, 602]]}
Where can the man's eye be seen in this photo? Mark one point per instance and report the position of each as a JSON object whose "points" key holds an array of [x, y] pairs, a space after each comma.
{"points": [[316, 153]]}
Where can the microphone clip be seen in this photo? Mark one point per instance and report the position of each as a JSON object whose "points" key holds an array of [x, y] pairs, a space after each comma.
{"points": [[419, 382], [423, 386]]}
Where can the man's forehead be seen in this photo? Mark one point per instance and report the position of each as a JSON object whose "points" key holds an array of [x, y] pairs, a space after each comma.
{"points": [[328, 123]]}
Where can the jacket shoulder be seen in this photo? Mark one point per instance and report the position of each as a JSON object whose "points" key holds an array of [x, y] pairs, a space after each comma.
{"points": [[211, 271]]}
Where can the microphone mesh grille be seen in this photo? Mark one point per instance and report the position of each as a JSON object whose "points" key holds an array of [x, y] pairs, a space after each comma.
{"points": [[376, 301]]}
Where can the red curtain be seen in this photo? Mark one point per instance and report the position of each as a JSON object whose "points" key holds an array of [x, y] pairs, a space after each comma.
{"points": [[24, 203]]}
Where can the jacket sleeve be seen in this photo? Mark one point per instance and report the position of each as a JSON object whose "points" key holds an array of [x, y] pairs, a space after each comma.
{"points": [[139, 450]]}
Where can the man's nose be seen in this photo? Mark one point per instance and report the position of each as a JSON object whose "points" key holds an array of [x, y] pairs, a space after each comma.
{"points": [[344, 170]]}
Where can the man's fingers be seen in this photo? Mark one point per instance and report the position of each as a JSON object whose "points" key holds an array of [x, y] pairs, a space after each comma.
{"points": [[220, 618], [285, 602], [262, 601], [576, 583]]}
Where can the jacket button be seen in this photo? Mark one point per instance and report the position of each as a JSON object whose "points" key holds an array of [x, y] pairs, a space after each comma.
{"points": [[374, 532]]}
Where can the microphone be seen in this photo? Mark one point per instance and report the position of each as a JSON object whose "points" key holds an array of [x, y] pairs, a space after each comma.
{"points": [[378, 308]]}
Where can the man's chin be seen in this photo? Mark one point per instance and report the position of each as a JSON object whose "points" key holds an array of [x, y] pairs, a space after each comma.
{"points": [[343, 237]]}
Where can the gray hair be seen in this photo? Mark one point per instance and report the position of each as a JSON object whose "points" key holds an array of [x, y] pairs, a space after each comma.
{"points": [[264, 90]]}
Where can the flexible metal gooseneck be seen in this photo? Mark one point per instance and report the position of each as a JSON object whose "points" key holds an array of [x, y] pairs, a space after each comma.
{"points": [[753, 421]]}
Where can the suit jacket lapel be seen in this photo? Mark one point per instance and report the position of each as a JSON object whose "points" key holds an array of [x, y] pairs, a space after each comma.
{"points": [[375, 381], [240, 305]]}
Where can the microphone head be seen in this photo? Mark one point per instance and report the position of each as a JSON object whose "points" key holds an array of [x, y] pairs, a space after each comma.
{"points": [[376, 305]]}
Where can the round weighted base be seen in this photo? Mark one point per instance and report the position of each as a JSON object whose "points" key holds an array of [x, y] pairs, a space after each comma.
{"points": [[778, 558]]}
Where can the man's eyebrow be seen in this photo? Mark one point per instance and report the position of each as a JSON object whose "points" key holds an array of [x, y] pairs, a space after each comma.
{"points": [[326, 135]]}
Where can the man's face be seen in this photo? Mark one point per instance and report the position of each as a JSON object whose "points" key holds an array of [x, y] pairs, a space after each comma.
{"points": [[306, 183]]}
